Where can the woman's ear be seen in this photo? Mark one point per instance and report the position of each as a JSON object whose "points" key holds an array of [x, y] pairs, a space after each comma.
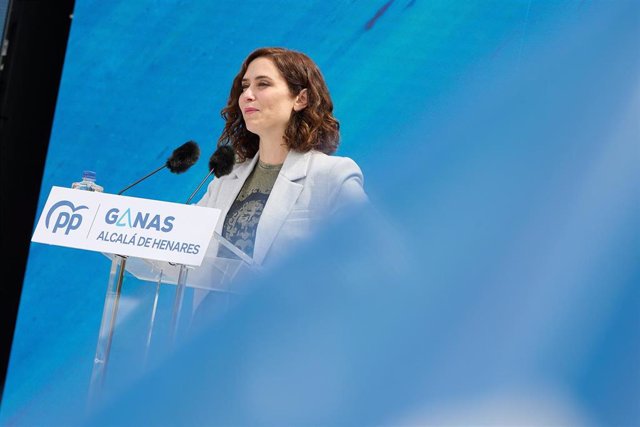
{"points": [[301, 100]]}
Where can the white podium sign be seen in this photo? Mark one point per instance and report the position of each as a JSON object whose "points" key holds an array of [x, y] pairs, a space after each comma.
{"points": [[124, 225]]}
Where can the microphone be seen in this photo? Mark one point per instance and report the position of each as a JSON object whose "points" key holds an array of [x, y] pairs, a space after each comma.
{"points": [[180, 160], [220, 164]]}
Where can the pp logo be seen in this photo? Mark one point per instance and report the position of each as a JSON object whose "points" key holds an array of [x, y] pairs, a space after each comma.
{"points": [[67, 219]]}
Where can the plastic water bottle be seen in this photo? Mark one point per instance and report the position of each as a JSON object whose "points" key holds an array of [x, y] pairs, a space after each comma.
{"points": [[88, 182]]}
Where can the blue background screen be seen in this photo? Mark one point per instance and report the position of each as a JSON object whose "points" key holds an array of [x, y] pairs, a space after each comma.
{"points": [[496, 282]]}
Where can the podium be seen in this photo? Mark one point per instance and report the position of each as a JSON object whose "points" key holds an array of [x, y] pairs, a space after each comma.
{"points": [[223, 269], [158, 243]]}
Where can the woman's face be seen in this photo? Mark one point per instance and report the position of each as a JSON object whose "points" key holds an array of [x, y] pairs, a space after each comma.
{"points": [[265, 101]]}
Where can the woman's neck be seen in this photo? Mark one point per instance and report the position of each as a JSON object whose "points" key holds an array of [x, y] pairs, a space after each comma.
{"points": [[273, 151]]}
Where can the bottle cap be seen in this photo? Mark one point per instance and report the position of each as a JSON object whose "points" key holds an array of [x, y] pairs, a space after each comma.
{"points": [[90, 175]]}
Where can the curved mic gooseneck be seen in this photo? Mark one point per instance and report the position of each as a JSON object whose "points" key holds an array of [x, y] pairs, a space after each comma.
{"points": [[220, 164], [180, 160], [140, 180]]}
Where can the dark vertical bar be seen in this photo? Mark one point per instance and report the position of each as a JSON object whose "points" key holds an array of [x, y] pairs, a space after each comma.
{"points": [[35, 40]]}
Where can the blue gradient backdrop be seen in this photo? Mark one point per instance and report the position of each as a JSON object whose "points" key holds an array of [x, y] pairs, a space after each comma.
{"points": [[495, 282]]}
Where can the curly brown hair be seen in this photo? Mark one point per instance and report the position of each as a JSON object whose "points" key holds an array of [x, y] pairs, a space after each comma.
{"points": [[312, 128]]}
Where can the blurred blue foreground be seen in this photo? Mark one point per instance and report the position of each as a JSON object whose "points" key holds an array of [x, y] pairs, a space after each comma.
{"points": [[494, 281]]}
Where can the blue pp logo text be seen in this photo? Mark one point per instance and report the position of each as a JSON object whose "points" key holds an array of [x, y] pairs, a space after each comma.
{"points": [[65, 217]]}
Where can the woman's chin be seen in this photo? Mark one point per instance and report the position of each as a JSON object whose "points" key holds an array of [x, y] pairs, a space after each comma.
{"points": [[252, 128]]}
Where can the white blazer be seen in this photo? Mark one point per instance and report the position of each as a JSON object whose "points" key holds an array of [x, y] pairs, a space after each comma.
{"points": [[310, 187]]}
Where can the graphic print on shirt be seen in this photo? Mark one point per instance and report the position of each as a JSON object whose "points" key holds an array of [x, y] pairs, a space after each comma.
{"points": [[242, 221]]}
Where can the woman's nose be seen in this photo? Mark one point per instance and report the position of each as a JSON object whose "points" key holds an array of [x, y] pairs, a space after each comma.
{"points": [[247, 94]]}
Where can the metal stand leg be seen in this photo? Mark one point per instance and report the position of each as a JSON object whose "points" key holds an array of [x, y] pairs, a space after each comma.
{"points": [[153, 320], [107, 325], [177, 303]]}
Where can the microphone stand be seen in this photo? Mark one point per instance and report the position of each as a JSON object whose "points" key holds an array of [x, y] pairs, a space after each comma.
{"points": [[142, 179], [199, 186]]}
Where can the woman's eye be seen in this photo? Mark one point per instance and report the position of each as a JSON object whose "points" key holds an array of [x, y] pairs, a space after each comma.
{"points": [[259, 84]]}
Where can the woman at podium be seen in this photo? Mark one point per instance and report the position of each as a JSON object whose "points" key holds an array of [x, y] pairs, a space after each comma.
{"points": [[285, 181]]}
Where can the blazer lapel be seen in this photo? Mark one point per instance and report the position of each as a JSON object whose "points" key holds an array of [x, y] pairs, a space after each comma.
{"points": [[230, 188], [283, 197]]}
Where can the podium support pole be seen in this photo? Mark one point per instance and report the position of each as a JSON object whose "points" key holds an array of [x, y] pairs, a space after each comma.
{"points": [[152, 322], [107, 325], [177, 302]]}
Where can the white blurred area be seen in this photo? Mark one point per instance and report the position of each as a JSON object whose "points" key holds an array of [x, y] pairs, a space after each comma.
{"points": [[534, 406]]}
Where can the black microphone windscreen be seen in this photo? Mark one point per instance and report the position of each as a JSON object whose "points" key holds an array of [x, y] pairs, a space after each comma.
{"points": [[222, 161], [184, 157]]}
